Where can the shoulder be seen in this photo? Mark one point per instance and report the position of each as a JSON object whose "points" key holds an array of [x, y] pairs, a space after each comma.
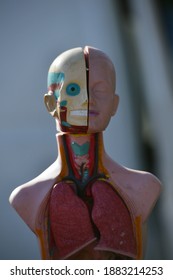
{"points": [[27, 198], [145, 182], [141, 188], [147, 189], [142, 179]]}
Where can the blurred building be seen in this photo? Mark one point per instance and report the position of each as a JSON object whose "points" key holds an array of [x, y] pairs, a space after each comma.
{"points": [[138, 37]]}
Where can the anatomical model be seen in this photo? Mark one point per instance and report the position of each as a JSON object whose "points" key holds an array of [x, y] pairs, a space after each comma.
{"points": [[85, 205]]}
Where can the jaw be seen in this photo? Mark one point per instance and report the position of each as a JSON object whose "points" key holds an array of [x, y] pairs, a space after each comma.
{"points": [[78, 117], [79, 113]]}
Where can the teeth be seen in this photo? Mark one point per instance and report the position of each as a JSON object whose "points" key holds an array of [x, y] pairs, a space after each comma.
{"points": [[82, 113]]}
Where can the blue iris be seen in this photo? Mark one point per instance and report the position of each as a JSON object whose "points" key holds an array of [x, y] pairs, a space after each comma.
{"points": [[73, 89]]}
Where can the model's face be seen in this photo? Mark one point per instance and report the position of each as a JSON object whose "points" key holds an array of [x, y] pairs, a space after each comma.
{"points": [[81, 103], [102, 99], [67, 81]]}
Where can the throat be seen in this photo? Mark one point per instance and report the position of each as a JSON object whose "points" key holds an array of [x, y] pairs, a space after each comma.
{"points": [[82, 155]]}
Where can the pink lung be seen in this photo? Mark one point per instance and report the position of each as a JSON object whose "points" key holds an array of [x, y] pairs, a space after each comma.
{"points": [[113, 221], [70, 220], [72, 223]]}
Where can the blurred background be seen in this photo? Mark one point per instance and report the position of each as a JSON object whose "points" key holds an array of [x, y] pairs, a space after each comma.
{"points": [[138, 37]]}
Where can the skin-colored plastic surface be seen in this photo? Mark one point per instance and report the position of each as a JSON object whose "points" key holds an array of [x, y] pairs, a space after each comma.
{"points": [[85, 205]]}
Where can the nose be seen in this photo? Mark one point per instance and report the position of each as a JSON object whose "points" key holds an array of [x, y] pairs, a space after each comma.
{"points": [[91, 98], [85, 101], [84, 98]]}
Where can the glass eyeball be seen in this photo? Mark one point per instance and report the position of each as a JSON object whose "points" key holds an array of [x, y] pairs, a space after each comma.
{"points": [[73, 89]]}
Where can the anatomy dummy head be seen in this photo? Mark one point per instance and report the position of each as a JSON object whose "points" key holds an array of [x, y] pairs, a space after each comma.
{"points": [[81, 91]]}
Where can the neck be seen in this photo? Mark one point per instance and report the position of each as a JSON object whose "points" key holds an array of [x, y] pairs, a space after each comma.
{"points": [[81, 156]]}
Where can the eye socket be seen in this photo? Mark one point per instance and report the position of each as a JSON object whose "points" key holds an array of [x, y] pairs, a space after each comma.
{"points": [[73, 89]]}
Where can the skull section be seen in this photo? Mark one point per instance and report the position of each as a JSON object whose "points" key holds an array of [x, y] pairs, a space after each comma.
{"points": [[67, 80]]}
